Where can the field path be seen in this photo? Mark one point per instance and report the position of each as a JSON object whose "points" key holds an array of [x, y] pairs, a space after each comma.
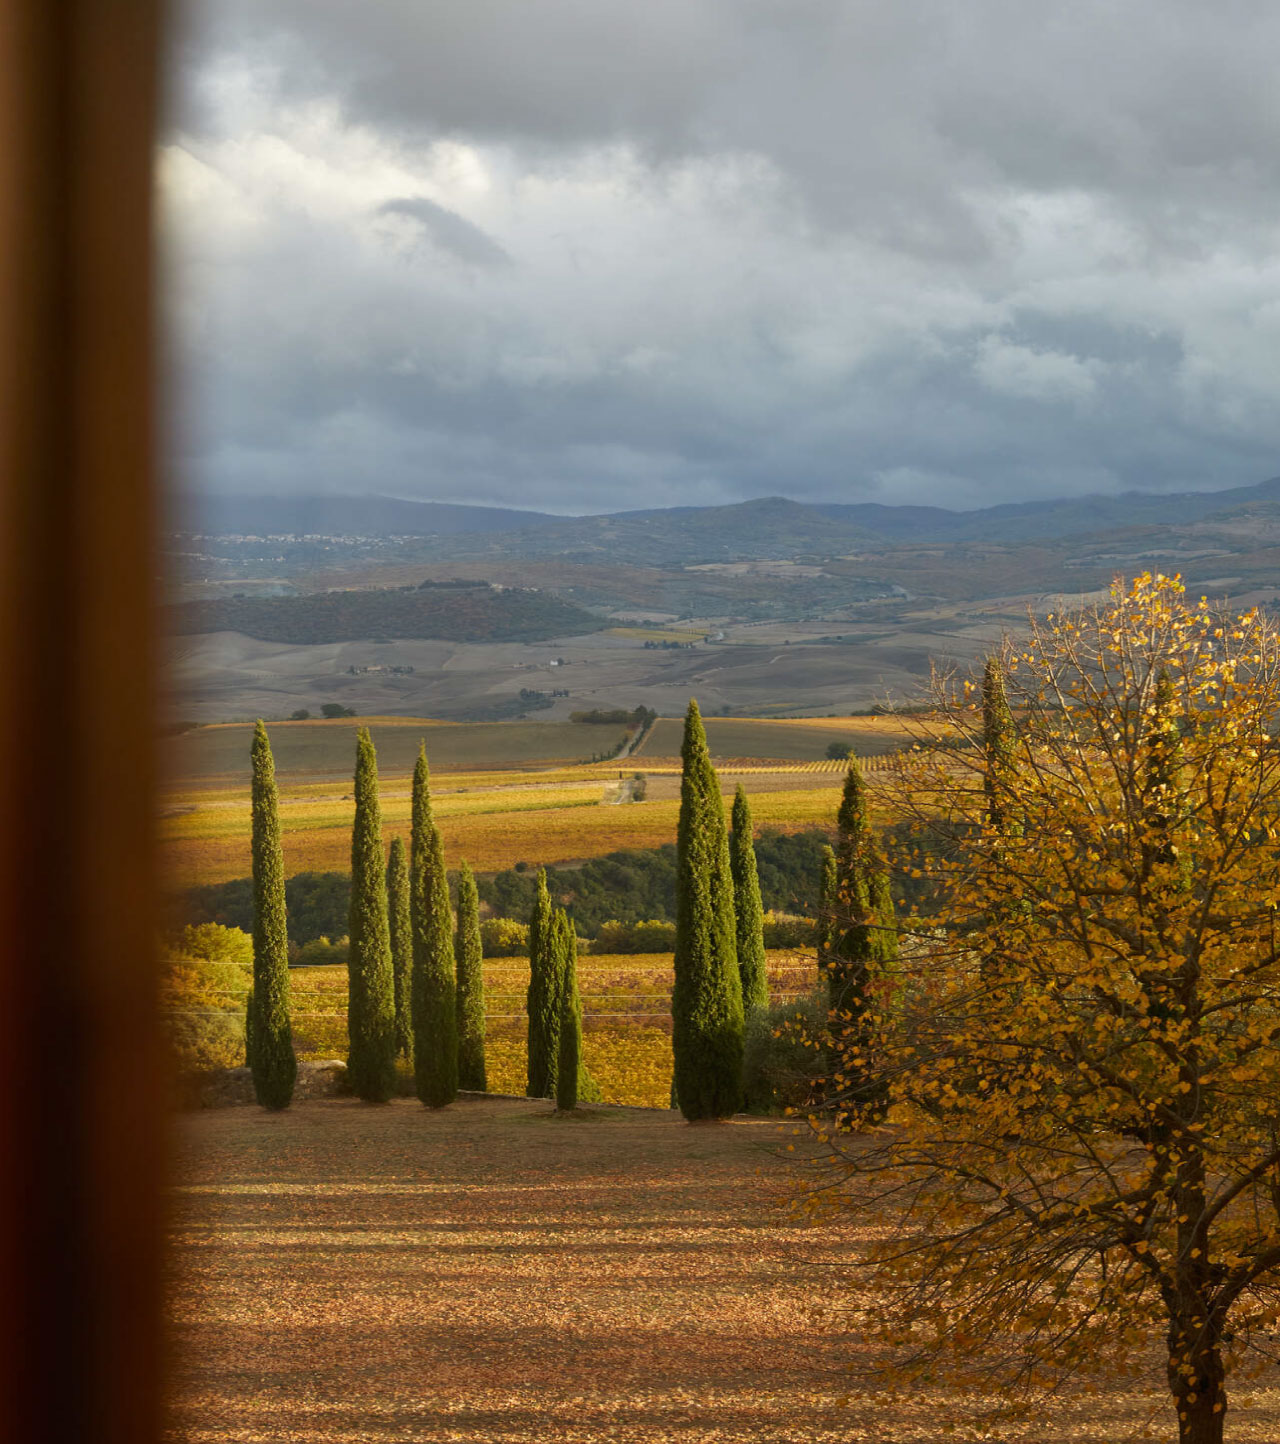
{"points": [[492, 1274]]}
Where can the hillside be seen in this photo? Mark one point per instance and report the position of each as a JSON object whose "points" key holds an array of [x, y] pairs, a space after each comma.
{"points": [[470, 613], [766, 527], [349, 516]]}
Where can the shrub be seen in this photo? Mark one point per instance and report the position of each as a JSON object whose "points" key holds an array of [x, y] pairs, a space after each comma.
{"points": [[504, 938], [213, 943], [839, 751], [787, 930], [650, 936], [205, 1013], [320, 952], [783, 1053]]}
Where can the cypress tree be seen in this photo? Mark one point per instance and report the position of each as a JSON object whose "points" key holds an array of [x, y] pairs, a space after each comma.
{"points": [[371, 1008], [268, 1036], [862, 945], [249, 1026], [997, 739], [828, 894], [401, 944], [470, 989], [569, 1043], [435, 1023], [543, 1001], [748, 910], [706, 1002]]}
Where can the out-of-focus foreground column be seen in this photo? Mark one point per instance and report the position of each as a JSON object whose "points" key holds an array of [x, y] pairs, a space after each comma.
{"points": [[81, 1105]]}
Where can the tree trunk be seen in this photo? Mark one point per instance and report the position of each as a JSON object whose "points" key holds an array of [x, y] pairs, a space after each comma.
{"points": [[1201, 1401]]}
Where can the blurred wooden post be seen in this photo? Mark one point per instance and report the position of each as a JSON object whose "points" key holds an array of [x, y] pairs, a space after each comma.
{"points": [[81, 1106]]}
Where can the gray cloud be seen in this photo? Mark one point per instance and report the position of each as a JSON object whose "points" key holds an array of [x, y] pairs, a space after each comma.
{"points": [[590, 254], [448, 230]]}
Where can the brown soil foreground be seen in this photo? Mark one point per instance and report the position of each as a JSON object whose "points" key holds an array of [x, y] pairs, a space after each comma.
{"points": [[491, 1274]]}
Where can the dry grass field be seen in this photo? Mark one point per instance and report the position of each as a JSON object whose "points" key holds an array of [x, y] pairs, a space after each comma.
{"points": [[322, 748], [783, 739], [210, 846], [502, 792], [493, 1274]]}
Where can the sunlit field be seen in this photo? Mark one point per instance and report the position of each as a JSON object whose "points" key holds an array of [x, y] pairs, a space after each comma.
{"points": [[490, 1273], [205, 835], [626, 1001]]}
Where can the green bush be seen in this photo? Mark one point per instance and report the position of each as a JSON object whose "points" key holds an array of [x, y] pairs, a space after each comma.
{"points": [[320, 952], [786, 930], [201, 1041], [783, 1053], [205, 1013], [213, 943], [650, 936], [504, 938]]}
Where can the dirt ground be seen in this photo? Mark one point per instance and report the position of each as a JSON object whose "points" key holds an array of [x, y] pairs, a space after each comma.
{"points": [[491, 1273]]}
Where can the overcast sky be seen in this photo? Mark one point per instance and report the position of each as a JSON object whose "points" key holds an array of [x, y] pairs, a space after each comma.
{"points": [[591, 255]]}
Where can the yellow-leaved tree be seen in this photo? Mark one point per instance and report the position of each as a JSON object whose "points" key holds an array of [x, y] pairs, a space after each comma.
{"points": [[1082, 1042]]}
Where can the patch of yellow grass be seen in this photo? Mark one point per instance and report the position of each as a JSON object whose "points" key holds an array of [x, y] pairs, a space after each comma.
{"points": [[655, 634]]}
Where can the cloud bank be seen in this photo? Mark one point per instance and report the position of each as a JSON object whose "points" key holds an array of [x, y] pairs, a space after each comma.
{"points": [[588, 255]]}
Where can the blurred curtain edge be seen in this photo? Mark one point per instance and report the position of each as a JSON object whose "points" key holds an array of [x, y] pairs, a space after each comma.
{"points": [[82, 1086]]}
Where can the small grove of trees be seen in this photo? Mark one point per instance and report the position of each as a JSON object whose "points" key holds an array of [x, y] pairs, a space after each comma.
{"points": [[627, 886], [1082, 1047]]}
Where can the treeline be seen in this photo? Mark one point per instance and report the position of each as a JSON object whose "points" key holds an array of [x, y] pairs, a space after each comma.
{"points": [[616, 716], [627, 887], [464, 614]]}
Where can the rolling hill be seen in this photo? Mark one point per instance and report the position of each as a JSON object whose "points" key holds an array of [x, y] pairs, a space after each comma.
{"points": [[477, 613]]}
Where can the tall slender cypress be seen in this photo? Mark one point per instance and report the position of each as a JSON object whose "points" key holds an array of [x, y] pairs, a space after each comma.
{"points": [[401, 944], [268, 1036], [470, 989], [435, 1023], [862, 945], [569, 1043], [371, 1006], [706, 1002], [998, 741], [828, 893], [747, 908], [543, 1001]]}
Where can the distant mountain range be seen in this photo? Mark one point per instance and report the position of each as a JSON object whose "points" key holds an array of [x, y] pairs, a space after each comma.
{"points": [[770, 527]]}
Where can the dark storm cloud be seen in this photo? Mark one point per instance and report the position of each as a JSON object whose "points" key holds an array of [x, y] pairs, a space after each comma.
{"points": [[599, 254]]}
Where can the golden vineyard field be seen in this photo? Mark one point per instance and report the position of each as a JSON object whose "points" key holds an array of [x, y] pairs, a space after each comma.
{"points": [[537, 809]]}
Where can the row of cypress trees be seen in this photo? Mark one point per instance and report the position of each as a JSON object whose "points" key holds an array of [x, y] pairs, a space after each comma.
{"points": [[415, 988]]}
